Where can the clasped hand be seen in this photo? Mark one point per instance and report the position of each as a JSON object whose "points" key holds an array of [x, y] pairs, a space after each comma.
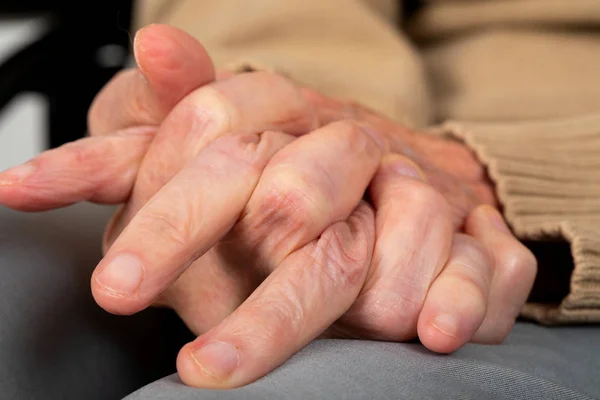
{"points": [[267, 215]]}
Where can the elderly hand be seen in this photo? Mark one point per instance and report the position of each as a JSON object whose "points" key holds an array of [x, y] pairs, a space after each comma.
{"points": [[220, 194]]}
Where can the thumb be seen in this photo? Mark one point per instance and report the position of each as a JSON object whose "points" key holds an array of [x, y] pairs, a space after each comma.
{"points": [[171, 64]]}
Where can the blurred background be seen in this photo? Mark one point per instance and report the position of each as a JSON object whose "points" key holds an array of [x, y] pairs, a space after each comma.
{"points": [[22, 120], [54, 57]]}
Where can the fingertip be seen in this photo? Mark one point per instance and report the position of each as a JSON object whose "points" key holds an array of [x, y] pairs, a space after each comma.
{"points": [[151, 42], [10, 186], [162, 52], [154, 40], [111, 300], [18, 191], [441, 333], [17, 174], [193, 373], [189, 371], [15, 199], [114, 303]]}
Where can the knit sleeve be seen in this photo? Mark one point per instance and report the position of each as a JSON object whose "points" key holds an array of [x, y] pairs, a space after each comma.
{"points": [[349, 50], [547, 177]]}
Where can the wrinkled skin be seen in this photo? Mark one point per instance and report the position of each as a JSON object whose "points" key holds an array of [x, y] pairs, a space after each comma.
{"points": [[243, 211]]}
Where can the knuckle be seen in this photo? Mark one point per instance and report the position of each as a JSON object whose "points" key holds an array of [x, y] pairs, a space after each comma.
{"points": [[420, 197], [84, 151], [360, 139], [239, 150], [202, 116], [284, 311], [520, 265], [76, 153], [152, 176], [425, 195], [298, 116], [354, 136], [291, 203], [344, 262], [293, 113], [169, 226]]}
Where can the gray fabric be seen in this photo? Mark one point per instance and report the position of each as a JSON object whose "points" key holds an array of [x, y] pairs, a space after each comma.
{"points": [[55, 342], [534, 363]]}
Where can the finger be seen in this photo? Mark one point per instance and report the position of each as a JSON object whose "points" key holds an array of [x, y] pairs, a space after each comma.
{"points": [[246, 103], [103, 170], [171, 64], [414, 234], [303, 190], [99, 169], [514, 273], [307, 293], [328, 109], [183, 221], [311, 183], [457, 300]]}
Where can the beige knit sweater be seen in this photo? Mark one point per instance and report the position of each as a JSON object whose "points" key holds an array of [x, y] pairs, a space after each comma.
{"points": [[517, 80]]}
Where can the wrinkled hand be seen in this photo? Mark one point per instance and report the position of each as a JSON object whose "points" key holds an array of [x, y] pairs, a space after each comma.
{"points": [[216, 182]]}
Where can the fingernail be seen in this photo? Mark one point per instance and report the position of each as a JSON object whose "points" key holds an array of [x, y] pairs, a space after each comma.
{"points": [[123, 275], [218, 359], [403, 166], [17, 174], [495, 218], [446, 324]]}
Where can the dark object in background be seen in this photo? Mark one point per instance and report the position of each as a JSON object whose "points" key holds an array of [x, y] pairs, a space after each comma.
{"points": [[86, 44]]}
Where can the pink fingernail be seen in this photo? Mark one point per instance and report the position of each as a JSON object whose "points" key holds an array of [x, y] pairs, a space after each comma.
{"points": [[17, 174], [123, 275], [446, 324], [218, 359]]}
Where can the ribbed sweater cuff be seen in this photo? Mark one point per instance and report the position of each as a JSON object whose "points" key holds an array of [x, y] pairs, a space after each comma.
{"points": [[547, 177]]}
